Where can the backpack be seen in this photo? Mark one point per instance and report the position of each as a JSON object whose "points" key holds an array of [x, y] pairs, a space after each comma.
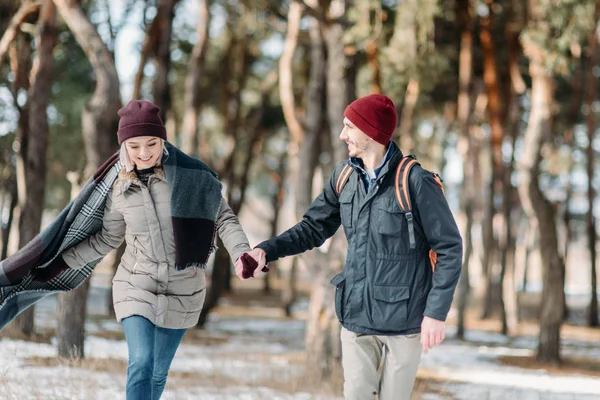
{"points": [[402, 195]]}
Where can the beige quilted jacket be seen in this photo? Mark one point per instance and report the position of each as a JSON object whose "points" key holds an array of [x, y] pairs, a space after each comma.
{"points": [[146, 282]]}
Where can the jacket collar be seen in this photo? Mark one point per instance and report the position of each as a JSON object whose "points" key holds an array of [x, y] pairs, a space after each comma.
{"points": [[127, 179], [391, 158]]}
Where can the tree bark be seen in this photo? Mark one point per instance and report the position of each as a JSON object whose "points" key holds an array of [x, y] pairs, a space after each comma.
{"points": [[24, 14], [20, 50], [406, 132], [495, 112], [538, 207], [305, 136], [340, 83], [591, 130], [160, 87], [510, 194], [12, 193], [323, 345], [99, 123], [38, 101], [193, 99], [572, 118], [286, 89], [372, 52], [322, 332], [221, 275], [470, 154], [148, 44], [509, 240], [36, 141], [276, 204]]}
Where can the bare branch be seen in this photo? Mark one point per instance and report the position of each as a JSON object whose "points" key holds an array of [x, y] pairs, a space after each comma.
{"points": [[318, 15], [149, 44], [286, 91], [13, 28]]}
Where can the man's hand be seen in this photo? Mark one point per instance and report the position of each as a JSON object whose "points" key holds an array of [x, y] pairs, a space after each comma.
{"points": [[433, 333], [251, 264]]}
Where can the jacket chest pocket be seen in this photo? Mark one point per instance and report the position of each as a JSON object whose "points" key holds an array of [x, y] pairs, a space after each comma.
{"points": [[346, 208], [390, 222]]}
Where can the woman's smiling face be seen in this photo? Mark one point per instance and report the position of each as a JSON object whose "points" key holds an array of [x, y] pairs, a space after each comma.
{"points": [[144, 151]]}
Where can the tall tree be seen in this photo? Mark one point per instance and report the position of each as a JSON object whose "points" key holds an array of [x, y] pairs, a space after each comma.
{"points": [[18, 44], [236, 73], [465, 74], [193, 99], [99, 122], [535, 203], [160, 87], [513, 88], [157, 44], [495, 113], [591, 130], [35, 144]]}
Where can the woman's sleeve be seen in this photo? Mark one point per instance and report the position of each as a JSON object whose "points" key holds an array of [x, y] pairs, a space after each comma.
{"points": [[231, 233], [99, 245]]}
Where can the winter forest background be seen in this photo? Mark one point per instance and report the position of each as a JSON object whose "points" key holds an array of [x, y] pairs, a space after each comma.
{"points": [[499, 96]]}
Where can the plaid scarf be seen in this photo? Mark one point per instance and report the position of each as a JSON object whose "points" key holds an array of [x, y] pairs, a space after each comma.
{"points": [[194, 228]]}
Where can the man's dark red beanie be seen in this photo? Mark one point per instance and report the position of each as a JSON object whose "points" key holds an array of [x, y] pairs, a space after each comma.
{"points": [[140, 118], [375, 115]]}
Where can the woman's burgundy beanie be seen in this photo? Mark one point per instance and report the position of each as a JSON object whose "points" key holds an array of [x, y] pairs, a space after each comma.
{"points": [[140, 118]]}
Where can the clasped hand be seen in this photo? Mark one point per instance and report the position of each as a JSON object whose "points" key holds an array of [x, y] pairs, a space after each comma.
{"points": [[251, 264]]}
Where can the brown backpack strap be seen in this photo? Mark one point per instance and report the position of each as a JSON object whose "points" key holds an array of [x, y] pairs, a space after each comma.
{"points": [[343, 178], [438, 181], [403, 197], [402, 174]]}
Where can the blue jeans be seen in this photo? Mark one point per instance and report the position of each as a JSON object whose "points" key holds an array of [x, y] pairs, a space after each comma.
{"points": [[151, 350]]}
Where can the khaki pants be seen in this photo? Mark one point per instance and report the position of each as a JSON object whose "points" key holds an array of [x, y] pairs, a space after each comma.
{"points": [[362, 357]]}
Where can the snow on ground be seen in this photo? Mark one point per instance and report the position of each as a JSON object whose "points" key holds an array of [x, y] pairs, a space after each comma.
{"points": [[472, 371], [246, 357]]}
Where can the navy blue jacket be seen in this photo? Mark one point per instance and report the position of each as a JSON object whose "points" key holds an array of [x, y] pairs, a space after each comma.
{"points": [[385, 287]]}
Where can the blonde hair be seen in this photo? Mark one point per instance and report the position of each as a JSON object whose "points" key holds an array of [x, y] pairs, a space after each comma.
{"points": [[126, 161]]}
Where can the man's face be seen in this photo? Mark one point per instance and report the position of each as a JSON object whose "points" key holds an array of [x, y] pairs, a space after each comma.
{"points": [[358, 143]]}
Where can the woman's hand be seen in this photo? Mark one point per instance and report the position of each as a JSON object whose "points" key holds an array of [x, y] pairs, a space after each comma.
{"points": [[251, 264]]}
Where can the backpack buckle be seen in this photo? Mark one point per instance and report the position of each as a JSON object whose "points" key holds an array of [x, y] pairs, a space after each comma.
{"points": [[411, 229]]}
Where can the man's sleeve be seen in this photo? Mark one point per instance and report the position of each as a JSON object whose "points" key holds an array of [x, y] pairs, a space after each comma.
{"points": [[444, 238], [318, 224]]}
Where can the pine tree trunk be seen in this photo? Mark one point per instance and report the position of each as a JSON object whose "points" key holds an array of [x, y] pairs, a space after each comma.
{"points": [[289, 291], [11, 212], [160, 88], [323, 334], [490, 76], [193, 99], [35, 143], [217, 283], [99, 123], [576, 83], [23, 323], [70, 330], [276, 203], [538, 207], [323, 345], [406, 131], [509, 242], [238, 183], [591, 129], [470, 154]]}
